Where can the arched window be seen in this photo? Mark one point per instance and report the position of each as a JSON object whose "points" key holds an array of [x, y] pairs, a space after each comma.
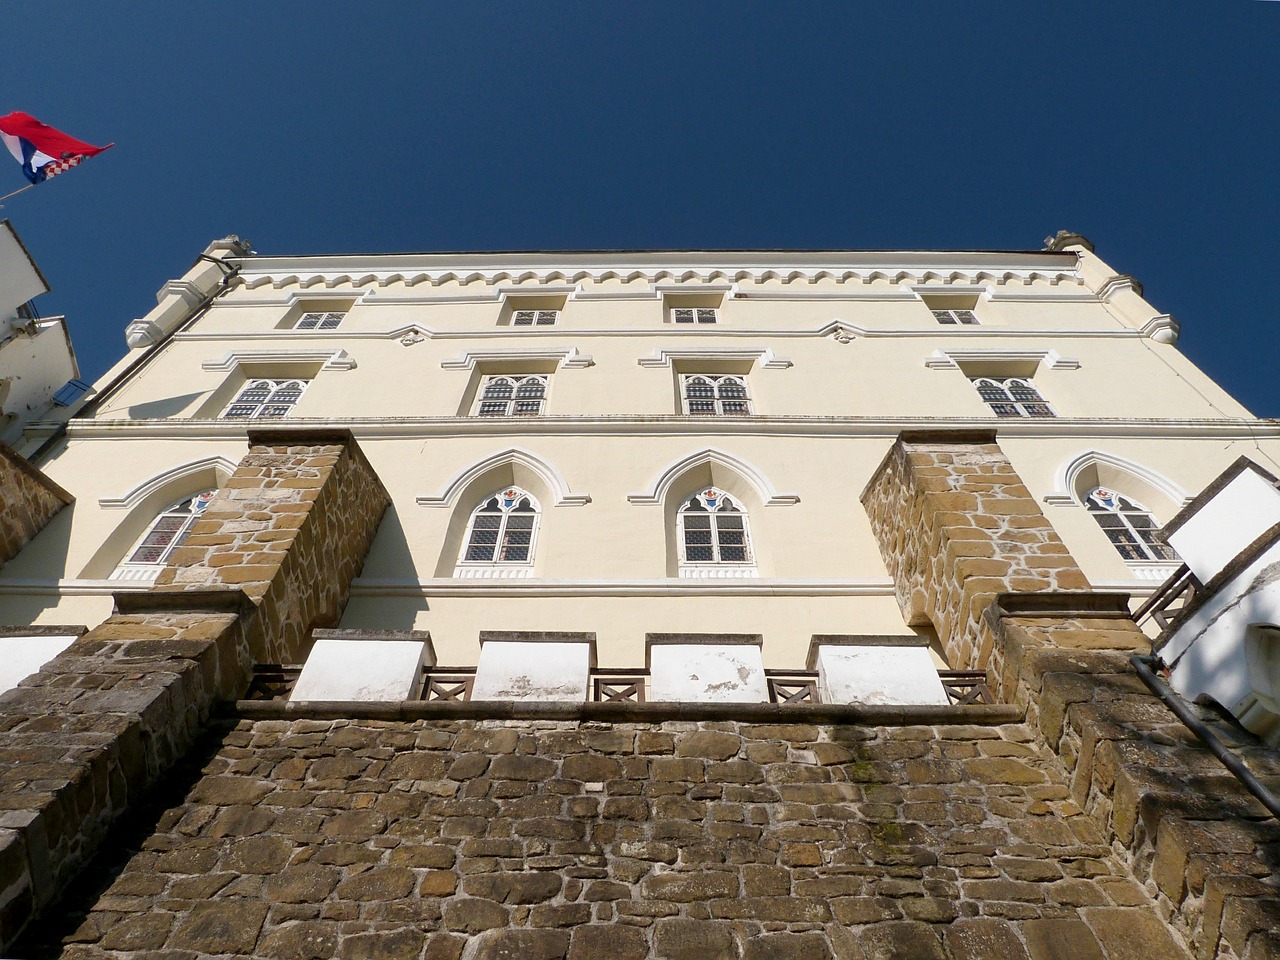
{"points": [[512, 396], [266, 399], [716, 396], [1128, 525], [502, 531], [1012, 397], [163, 536], [712, 529]]}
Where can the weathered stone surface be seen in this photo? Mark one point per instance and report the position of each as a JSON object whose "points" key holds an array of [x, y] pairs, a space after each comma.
{"points": [[1061, 940], [230, 926], [614, 941], [685, 939], [473, 915], [522, 945], [982, 939]]}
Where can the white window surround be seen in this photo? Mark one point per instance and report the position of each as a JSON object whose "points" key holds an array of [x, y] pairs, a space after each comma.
{"points": [[552, 478], [317, 320], [957, 359], [750, 473], [1066, 480], [954, 316], [222, 468], [766, 358], [534, 317], [1013, 398], [327, 359], [511, 519], [567, 359], [695, 316]]}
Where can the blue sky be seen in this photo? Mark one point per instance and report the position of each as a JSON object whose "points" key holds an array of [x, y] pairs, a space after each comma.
{"points": [[325, 128]]}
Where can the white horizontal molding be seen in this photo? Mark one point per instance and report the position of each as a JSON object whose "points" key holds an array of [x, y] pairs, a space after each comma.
{"points": [[328, 359], [410, 428], [493, 572], [219, 467], [514, 291], [954, 359], [766, 358], [566, 359], [748, 471], [628, 587], [550, 476]]}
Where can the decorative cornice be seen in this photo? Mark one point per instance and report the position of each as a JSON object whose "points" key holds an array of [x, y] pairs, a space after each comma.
{"points": [[954, 359], [1118, 284], [1162, 329], [221, 466], [188, 291], [328, 359], [767, 359], [566, 359]]}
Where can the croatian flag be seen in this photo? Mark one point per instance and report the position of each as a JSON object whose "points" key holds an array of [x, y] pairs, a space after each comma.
{"points": [[43, 151]]}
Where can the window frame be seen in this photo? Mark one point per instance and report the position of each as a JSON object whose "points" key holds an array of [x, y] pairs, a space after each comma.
{"points": [[278, 385], [955, 316], [537, 316], [696, 320], [716, 400], [712, 502], [514, 400], [323, 322], [515, 496], [1149, 545], [1021, 408]]}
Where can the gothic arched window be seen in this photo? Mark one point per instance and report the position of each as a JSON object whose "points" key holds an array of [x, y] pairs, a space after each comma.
{"points": [[266, 399], [163, 536], [512, 396], [712, 529], [1129, 526], [502, 530], [716, 396]]}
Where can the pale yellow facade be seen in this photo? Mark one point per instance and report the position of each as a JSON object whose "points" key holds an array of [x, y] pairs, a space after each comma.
{"points": [[840, 352]]}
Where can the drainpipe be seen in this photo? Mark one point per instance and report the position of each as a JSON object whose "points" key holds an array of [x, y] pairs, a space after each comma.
{"points": [[1193, 723]]}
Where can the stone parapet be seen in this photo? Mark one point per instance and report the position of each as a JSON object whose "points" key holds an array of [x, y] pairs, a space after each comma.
{"points": [[96, 727], [28, 501]]}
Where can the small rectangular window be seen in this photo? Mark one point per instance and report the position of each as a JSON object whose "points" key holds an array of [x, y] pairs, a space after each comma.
{"points": [[710, 395], [693, 315], [534, 318], [1012, 397], [319, 321], [512, 395], [964, 317]]}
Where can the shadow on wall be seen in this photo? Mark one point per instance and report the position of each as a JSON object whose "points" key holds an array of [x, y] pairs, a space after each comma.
{"points": [[159, 409], [44, 558], [389, 558]]}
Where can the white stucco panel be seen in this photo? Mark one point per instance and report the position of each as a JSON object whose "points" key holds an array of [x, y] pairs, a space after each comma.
{"points": [[22, 656], [707, 673], [532, 670], [378, 670], [1236, 516], [884, 675]]}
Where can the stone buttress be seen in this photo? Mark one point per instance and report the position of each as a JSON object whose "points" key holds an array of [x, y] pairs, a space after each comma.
{"points": [[86, 736], [972, 555]]}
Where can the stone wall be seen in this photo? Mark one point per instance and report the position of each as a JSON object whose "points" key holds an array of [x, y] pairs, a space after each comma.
{"points": [[364, 839], [28, 501], [84, 738], [975, 557]]}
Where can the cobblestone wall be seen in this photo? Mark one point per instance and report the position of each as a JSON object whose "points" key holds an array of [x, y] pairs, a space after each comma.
{"points": [[691, 841], [86, 736], [28, 501]]}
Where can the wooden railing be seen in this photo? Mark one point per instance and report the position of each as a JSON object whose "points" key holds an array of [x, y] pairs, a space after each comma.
{"points": [[1169, 599]]}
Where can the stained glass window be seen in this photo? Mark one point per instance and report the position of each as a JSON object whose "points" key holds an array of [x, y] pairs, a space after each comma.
{"points": [[713, 530], [168, 530], [502, 529], [1128, 525]]}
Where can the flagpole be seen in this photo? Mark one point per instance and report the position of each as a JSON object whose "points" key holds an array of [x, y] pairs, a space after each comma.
{"points": [[15, 193]]}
